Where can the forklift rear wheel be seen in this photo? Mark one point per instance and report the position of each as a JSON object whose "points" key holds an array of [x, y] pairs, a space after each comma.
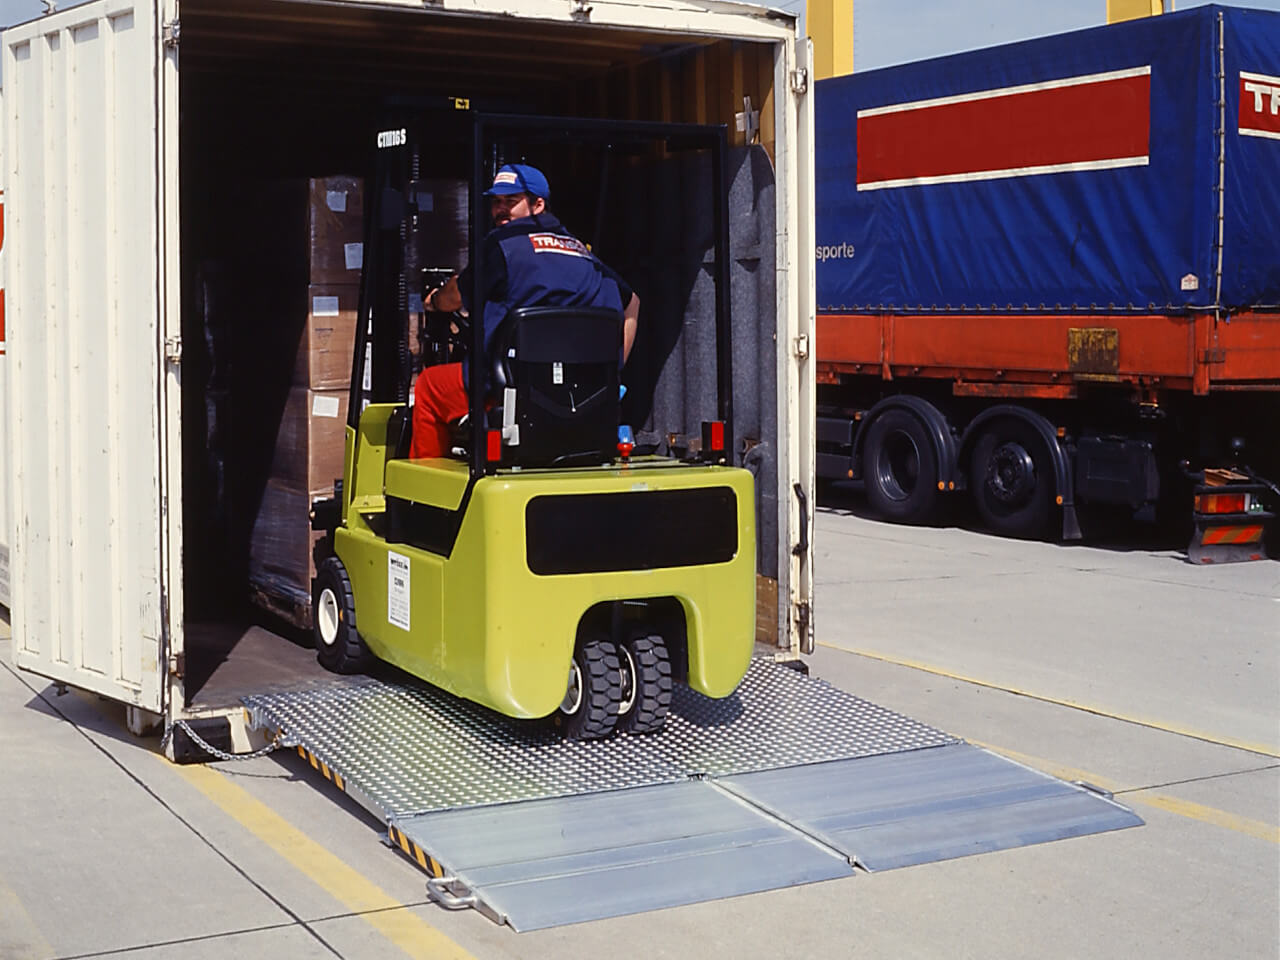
{"points": [[589, 710], [646, 684], [333, 611]]}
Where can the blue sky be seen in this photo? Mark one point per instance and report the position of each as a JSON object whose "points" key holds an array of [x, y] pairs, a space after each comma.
{"points": [[896, 31]]}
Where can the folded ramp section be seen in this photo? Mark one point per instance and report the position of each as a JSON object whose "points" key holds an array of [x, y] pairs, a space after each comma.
{"points": [[933, 804], [550, 862]]}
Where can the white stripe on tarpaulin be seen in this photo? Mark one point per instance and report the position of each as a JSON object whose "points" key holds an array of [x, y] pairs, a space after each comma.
{"points": [[1007, 91], [1113, 164]]}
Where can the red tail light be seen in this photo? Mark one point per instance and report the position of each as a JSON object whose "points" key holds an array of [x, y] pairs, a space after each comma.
{"points": [[1222, 502], [494, 446]]}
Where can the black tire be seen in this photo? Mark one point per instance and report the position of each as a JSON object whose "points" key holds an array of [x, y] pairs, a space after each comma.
{"points": [[900, 469], [589, 710], [1012, 479], [646, 685], [333, 617]]}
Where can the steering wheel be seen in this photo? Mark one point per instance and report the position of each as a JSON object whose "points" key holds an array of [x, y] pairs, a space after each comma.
{"points": [[448, 334]]}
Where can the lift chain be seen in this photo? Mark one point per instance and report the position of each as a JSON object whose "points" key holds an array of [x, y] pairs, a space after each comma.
{"points": [[276, 743]]}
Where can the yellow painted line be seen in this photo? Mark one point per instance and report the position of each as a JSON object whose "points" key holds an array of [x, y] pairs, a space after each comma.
{"points": [[1150, 798], [348, 886], [1265, 750], [20, 937]]}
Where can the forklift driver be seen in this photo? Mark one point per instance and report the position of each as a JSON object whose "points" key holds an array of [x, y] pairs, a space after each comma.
{"points": [[530, 260]]}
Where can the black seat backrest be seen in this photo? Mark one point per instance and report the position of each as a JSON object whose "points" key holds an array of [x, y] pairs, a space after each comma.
{"points": [[562, 363]]}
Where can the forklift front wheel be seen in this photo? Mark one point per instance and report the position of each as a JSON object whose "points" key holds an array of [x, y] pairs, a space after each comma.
{"points": [[589, 710], [333, 611]]}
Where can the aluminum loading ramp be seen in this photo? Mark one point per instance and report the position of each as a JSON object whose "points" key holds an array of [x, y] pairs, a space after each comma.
{"points": [[788, 781]]}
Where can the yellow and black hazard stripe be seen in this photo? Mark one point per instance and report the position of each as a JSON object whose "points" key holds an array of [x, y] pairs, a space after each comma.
{"points": [[332, 775], [415, 852]]}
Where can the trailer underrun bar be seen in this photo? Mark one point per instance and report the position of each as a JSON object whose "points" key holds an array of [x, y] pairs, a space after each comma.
{"points": [[788, 781]]}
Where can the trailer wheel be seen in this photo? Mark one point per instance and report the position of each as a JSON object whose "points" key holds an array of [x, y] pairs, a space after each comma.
{"points": [[646, 696], [900, 469], [589, 710], [333, 615], [1011, 476]]}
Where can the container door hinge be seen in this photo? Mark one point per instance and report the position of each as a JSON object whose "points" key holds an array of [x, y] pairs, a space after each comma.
{"points": [[173, 349], [172, 33], [1215, 355], [804, 627], [178, 665], [800, 81], [802, 346]]}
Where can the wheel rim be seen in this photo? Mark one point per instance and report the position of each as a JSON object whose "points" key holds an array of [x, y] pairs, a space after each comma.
{"points": [[628, 681], [328, 617], [1011, 474], [572, 701], [898, 466]]}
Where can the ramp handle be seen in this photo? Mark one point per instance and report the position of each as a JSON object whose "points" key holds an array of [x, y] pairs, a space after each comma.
{"points": [[438, 889]]}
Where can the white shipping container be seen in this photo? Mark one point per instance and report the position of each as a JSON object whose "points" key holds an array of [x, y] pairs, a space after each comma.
{"points": [[124, 127], [6, 512]]}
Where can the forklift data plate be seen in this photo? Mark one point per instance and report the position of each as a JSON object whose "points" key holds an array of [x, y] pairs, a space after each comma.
{"points": [[787, 781]]}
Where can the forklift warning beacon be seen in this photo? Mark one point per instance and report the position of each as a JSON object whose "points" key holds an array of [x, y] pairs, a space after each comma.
{"points": [[544, 570]]}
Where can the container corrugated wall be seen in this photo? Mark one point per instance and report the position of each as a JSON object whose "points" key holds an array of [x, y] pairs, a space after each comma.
{"points": [[83, 347], [6, 512]]}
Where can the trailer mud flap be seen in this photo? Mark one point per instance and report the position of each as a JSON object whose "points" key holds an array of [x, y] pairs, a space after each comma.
{"points": [[788, 781]]}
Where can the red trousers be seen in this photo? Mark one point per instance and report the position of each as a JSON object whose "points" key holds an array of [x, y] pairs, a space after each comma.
{"points": [[438, 397]]}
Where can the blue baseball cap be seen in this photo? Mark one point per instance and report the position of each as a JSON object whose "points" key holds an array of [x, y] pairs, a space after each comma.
{"points": [[519, 178]]}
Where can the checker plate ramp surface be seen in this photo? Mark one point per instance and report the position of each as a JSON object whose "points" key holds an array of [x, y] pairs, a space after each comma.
{"points": [[787, 781]]}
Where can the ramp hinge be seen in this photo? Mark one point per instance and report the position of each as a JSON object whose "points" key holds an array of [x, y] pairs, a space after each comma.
{"points": [[802, 346], [173, 349], [172, 33], [799, 80]]}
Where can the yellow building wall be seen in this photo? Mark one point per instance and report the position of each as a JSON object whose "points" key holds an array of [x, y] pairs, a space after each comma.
{"points": [[1118, 10], [830, 26]]}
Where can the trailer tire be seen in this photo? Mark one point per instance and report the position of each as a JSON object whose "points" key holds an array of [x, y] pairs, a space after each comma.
{"points": [[589, 710], [900, 469], [1012, 479], [647, 692], [333, 617]]}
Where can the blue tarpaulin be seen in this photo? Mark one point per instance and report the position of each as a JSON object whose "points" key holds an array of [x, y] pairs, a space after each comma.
{"points": [[1079, 172]]}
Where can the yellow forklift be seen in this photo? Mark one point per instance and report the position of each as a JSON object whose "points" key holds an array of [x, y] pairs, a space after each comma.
{"points": [[545, 570]]}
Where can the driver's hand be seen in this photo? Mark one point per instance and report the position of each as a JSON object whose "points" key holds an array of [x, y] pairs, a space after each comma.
{"points": [[428, 302]]}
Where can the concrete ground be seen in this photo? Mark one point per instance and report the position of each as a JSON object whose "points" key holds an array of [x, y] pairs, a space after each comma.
{"points": [[1123, 666]]}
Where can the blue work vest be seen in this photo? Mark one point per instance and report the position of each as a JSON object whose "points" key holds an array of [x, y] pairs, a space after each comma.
{"points": [[548, 266]]}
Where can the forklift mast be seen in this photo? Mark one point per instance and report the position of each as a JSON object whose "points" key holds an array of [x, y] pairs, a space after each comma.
{"points": [[473, 145]]}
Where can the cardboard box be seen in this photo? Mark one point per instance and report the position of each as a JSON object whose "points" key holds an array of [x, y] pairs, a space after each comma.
{"points": [[307, 231], [335, 229], [310, 441], [328, 338]]}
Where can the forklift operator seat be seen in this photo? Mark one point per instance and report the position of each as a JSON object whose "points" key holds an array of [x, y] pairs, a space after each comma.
{"points": [[555, 373]]}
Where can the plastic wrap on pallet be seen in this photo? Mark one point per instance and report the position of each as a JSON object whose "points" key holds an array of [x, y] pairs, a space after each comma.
{"points": [[282, 544]]}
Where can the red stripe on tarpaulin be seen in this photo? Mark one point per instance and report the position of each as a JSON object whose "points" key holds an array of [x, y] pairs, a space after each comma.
{"points": [[1259, 105], [1090, 121]]}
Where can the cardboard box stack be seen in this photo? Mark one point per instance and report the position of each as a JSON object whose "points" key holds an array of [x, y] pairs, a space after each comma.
{"points": [[319, 225]]}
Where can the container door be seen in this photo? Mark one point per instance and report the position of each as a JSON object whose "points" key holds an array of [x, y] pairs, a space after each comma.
{"points": [[85, 346], [5, 513]]}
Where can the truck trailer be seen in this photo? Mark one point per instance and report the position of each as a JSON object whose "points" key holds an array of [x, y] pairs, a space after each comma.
{"points": [[1047, 282], [134, 142]]}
